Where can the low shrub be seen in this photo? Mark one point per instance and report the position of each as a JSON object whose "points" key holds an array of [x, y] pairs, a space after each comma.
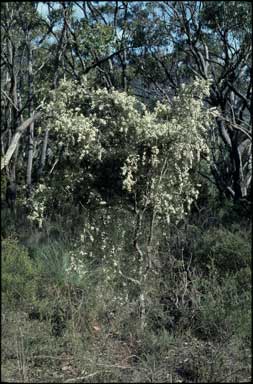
{"points": [[227, 250], [224, 309], [19, 273]]}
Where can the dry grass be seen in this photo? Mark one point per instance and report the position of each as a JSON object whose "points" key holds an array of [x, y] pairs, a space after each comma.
{"points": [[31, 354]]}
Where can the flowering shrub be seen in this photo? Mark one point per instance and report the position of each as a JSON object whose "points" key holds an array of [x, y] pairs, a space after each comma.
{"points": [[168, 145], [156, 150]]}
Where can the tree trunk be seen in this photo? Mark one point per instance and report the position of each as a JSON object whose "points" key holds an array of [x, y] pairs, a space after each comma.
{"points": [[44, 152], [15, 139], [31, 127]]}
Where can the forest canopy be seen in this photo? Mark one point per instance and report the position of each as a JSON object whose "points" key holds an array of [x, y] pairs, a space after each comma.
{"points": [[145, 49]]}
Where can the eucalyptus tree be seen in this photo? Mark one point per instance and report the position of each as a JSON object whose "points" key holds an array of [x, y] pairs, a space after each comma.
{"points": [[145, 48], [211, 40], [166, 44], [21, 25]]}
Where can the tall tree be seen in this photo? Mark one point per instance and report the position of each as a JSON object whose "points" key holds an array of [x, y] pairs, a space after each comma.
{"points": [[212, 40]]}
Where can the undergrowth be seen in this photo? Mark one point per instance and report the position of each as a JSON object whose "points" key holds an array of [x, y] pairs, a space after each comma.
{"points": [[69, 316]]}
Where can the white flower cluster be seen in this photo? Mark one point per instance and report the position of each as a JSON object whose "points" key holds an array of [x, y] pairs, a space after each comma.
{"points": [[37, 214], [76, 132], [176, 135], [37, 204], [75, 267], [98, 123], [129, 171]]}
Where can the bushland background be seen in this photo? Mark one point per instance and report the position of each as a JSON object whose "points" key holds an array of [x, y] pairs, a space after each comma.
{"points": [[126, 133]]}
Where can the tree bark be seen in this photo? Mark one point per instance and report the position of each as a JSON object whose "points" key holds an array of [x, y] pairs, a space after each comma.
{"points": [[31, 127], [15, 139]]}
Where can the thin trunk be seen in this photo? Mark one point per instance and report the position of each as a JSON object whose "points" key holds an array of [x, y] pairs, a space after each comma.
{"points": [[58, 58], [13, 87], [112, 81], [235, 157], [11, 78], [44, 152], [16, 152], [31, 128], [13, 168], [15, 139], [142, 270], [30, 158], [124, 77]]}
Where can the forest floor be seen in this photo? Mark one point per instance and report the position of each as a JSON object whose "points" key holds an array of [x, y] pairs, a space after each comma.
{"points": [[30, 354], [64, 331]]}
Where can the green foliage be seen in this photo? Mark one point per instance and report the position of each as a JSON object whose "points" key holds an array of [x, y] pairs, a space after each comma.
{"points": [[19, 274], [206, 321], [50, 256], [224, 308], [228, 250], [235, 15], [230, 214]]}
